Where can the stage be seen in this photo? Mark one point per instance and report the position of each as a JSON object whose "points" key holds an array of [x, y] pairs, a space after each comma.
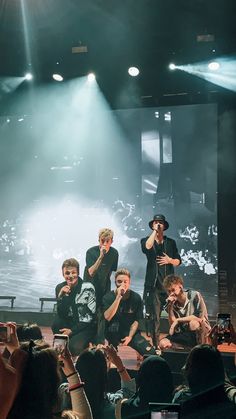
{"points": [[45, 318]]}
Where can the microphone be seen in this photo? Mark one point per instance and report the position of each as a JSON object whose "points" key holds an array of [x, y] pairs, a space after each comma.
{"points": [[104, 251], [122, 292], [68, 293], [166, 305]]}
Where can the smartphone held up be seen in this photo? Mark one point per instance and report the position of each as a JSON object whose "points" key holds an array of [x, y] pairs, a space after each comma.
{"points": [[59, 343], [5, 332], [223, 327]]}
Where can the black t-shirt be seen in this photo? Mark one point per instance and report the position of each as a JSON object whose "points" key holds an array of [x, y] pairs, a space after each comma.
{"points": [[101, 279], [154, 272], [129, 310]]}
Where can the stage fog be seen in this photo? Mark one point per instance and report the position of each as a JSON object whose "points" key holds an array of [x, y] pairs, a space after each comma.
{"points": [[73, 166]]}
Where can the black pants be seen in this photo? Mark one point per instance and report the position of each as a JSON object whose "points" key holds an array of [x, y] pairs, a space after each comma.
{"points": [[100, 337], [139, 343], [154, 302], [79, 341], [186, 338]]}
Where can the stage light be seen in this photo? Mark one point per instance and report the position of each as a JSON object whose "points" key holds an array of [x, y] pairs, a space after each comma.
{"points": [[28, 76], [133, 71], [57, 77], [213, 66], [91, 77], [221, 72], [172, 66]]}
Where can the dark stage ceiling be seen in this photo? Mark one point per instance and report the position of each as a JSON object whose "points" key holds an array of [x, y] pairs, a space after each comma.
{"points": [[117, 34]]}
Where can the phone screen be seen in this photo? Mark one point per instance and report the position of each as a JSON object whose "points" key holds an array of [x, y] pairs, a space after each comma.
{"points": [[4, 334], [223, 326], [165, 414], [165, 411], [59, 343]]}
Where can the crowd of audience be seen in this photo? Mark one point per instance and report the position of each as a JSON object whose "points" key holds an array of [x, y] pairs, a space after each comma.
{"points": [[39, 383]]}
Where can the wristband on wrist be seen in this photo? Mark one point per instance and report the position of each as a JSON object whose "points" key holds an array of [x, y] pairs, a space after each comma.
{"points": [[122, 370], [70, 375], [75, 386]]}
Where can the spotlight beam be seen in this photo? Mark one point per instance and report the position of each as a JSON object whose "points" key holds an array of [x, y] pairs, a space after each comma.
{"points": [[26, 32], [224, 76]]}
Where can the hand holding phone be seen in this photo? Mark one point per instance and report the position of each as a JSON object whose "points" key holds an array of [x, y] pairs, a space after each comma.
{"points": [[223, 327], [59, 343], [5, 333]]}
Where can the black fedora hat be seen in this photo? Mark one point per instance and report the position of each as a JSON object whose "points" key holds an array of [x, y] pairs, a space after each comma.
{"points": [[159, 217]]}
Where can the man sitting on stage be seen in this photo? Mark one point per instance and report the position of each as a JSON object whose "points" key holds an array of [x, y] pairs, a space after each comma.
{"points": [[188, 316], [76, 308], [123, 310]]}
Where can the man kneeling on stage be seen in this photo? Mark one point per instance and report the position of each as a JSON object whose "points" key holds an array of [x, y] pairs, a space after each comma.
{"points": [[76, 308], [188, 316], [123, 309]]}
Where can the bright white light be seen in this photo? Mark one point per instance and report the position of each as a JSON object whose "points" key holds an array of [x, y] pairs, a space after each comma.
{"points": [[221, 72], [172, 66], [91, 77], [213, 66], [50, 231], [133, 71], [28, 76], [57, 77]]}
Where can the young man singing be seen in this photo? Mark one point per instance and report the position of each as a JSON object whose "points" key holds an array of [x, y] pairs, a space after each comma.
{"points": [[187, 313]]}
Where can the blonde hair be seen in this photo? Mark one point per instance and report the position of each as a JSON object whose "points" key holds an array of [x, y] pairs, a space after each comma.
{"points": [[122, 271], [105, 233]]}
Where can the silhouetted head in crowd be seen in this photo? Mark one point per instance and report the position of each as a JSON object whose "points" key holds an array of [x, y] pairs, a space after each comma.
{"points": [[26, 332], [204, 369], [38, 393], [154, 384], [92, 367]]}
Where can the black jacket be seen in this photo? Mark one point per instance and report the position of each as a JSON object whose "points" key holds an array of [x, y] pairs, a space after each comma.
{"points": [[155, 273]]}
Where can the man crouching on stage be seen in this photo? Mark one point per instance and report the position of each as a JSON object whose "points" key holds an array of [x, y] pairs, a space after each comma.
{"points": [[188, 316], [123, 309], [76, 308]]}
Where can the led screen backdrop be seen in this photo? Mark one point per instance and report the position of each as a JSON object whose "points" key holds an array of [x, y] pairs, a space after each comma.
{"points": [[62, 179]]}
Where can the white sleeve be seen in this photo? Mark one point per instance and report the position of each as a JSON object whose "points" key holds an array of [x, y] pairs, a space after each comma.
{"points": [[79, 401]]}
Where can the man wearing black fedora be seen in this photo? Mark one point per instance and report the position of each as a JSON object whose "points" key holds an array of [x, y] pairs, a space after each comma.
{"points": [[162, 256]]}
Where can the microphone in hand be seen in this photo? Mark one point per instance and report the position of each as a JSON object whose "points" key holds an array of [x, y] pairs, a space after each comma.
{"points": [[122, 292], [104, 251], [168, 301], [166, 305]]}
